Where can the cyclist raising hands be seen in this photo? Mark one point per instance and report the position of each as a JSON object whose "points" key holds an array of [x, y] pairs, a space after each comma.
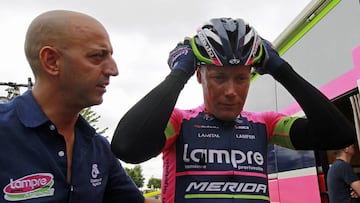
{"points": [[217, 151]]}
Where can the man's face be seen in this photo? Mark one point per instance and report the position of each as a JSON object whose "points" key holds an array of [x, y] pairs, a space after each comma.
{"points": [[224, 89], [88, 65]]}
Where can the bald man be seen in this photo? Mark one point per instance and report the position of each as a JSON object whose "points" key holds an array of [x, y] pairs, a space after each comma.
{"points": [[49, 152]]}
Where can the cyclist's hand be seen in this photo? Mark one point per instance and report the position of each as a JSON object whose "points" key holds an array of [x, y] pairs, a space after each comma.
{"points": [[270, 61], [182, 58]]}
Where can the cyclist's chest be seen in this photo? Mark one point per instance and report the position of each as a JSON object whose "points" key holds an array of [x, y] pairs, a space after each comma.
{"points": [[221, 146]]}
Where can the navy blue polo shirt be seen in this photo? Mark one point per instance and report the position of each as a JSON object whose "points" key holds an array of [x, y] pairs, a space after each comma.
{"points": [[339, 179], [33, 160]]}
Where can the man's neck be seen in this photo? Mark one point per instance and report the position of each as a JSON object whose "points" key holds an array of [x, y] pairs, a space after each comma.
{"points": [[346, 158]]}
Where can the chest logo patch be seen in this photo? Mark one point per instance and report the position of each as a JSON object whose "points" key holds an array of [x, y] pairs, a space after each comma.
{"points": [[31, 186], [95, 172]]}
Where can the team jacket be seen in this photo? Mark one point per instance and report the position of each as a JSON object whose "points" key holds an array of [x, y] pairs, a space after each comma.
{"points": [[34, 162], [207, 159]]}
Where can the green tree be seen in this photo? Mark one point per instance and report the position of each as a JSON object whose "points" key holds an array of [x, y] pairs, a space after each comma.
{"points": [[154, 183], [92, 118], [136, 175]]}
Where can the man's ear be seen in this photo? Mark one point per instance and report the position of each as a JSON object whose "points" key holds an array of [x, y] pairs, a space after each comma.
{"points": [[50, 59]]}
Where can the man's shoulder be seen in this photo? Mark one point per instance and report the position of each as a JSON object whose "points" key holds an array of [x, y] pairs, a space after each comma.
{"points": [[8, 111]]}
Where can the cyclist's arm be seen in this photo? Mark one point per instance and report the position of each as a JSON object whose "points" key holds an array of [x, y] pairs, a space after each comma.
{"points": [[325, 126], [139, 135]]}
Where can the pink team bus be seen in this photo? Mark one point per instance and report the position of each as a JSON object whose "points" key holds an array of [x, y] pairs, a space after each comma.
{"points": [[323, 45]]}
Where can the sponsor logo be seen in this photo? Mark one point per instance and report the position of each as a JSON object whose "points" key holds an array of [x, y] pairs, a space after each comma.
{"points": [[95, 171], [256, 47], [226, 187], [206, 126], [95, 180], [206, 44], [208, 135], [28, 187], [234, 61], [238, 120], [245, 136], [241, 127], [218, 156], [208, 117]]}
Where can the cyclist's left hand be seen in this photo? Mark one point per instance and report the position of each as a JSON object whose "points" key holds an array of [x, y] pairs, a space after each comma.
{"points": [[270, 61]]}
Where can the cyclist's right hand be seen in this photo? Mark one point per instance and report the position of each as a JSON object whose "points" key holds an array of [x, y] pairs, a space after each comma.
{"points": [[182, 58]]}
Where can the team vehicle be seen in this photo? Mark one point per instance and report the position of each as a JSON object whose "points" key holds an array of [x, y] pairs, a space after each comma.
{"points": [[323, 45]]}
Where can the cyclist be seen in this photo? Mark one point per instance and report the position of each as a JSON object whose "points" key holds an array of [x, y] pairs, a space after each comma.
{"points": [[217, 152]]}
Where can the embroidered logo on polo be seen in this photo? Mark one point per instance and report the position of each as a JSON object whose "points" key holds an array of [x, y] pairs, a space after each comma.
{"points": [[29, 187], [95, 180]]}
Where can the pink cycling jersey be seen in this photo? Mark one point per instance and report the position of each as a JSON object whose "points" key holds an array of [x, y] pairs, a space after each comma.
{"points": [[205, 158]]}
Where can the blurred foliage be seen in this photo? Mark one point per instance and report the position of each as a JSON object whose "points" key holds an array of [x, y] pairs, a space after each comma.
{"points": [[136, 175], [92, 118], [154, 183]]}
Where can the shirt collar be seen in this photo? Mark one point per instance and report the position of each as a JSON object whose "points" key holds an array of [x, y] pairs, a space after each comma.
{"points": [[29, 111], [31, 115]]}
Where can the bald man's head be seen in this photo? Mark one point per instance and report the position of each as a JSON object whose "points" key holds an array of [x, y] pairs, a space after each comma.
{"points": [[56, 29]]}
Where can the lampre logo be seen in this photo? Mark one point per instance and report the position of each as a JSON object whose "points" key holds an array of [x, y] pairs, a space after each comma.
{"points": [[28, 187], [233, 157]]}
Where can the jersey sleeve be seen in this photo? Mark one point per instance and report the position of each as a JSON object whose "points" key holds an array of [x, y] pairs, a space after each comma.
{"points": [[173, 128], [277, 125], [281, 132]]}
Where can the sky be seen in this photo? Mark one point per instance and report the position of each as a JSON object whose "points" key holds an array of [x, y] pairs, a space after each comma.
{"points": [[142, 33]]}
